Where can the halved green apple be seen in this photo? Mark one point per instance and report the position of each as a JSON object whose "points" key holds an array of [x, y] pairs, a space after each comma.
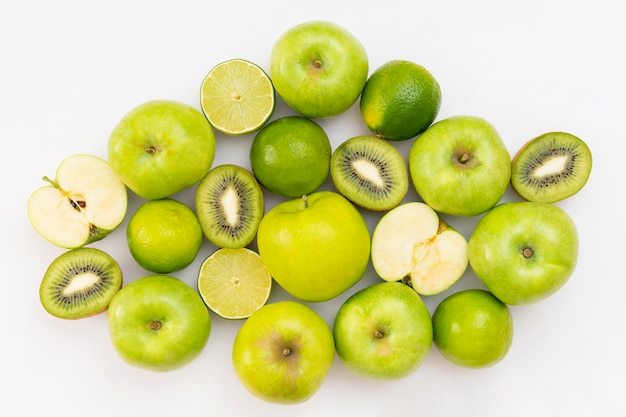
{"points": [[413, 244], [83, 204]]}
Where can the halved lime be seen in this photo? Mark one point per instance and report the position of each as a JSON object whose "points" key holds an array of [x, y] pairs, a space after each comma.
{"points": [[234, 283], [237, 97]]}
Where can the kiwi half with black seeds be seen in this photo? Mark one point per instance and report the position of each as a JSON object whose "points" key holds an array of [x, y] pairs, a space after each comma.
{"points": [[551, 167], [370, 172], [229, 206], [80, 283]]}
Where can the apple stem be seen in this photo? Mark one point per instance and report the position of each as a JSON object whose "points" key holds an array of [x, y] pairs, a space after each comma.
{"points": [[464, 158], [53, 183], [286, 351], [306, 201], [378, 334], [527, 252], [155, 325]]}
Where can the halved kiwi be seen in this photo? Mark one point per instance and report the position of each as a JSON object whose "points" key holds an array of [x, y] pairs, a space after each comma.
{"points": [[80, 283], [229, 206], [370, 172], [551, 167]]}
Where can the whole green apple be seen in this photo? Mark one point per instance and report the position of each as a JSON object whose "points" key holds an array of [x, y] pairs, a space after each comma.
{"points": [[383, 331], [524, 251], [283, 352], [161, 147], [460, 166], [158, 323], [315, 247], [319, 68]]}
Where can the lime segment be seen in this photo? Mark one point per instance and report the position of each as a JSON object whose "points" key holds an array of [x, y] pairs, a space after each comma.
{"points": [[237, 97], [234, 283]]}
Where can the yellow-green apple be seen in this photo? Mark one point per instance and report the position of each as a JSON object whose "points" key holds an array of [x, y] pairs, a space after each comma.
{"points": [[319, 68], [158, 323], [283, 352], [383, 331], [315, 247], [413, 243], [84, 203], [472, 328], [524, 251], [460, 166], [161, 147]]}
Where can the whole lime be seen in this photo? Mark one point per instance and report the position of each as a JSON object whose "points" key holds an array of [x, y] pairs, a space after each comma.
{"points": [[164, 235], [291, 156], [472, 328], [400, 100]]}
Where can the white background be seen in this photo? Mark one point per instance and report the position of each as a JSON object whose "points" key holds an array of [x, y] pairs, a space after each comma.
{"points": [[69, 71]]}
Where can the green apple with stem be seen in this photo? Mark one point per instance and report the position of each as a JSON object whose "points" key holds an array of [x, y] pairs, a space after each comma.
{"points": [[319, 68], [411, 242], [383, 331], [524, 251], [161, 147], [315, 247], [283, 352], [84, 203], [460, 166], [158, 323]]}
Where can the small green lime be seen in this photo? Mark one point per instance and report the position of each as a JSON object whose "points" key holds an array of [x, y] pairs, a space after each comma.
{"points": [[164, 236], [472, 328], [237, 97], [291, 156], [400, 100]]}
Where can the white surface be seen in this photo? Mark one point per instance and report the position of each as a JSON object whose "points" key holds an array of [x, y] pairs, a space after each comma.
{"points": [[69, 71]]}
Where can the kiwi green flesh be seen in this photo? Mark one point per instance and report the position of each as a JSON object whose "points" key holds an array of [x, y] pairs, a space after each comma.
{"points": [[551, 167], [370, 172], [80, 283], [229, 206]]}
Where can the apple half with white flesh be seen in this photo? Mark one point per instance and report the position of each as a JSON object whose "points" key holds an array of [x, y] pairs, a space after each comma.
{"points": [[411, 243], [83, 204]]}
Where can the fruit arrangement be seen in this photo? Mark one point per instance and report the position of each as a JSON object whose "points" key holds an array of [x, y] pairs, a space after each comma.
{"points": [[315, 245]]}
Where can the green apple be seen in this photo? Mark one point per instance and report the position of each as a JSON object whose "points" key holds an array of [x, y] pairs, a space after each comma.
{"points": [[319, 68], [315, 247], [412, 243], [283, 352], [158, 323], [460, 166], [161, 147], [524, 251], [383, 331], [473, 329], [83, 204]]}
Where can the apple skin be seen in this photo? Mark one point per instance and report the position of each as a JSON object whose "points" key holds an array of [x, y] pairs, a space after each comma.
{"points": [[524, 251], [161, 147], [283, 352], [383, 331], [85, 202], [319, 68], [460, 166], [158, 323], [315, 247]]}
